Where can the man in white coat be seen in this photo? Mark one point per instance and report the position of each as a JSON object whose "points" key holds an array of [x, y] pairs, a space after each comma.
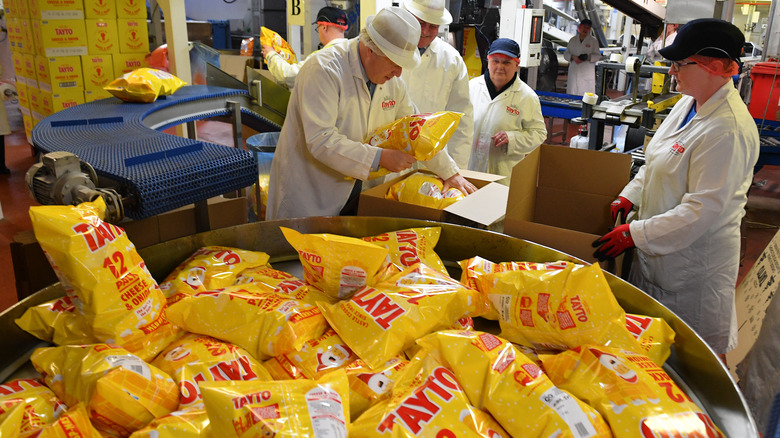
{"points": [[692, 191], [441, 81], [508, 120], [341, 95], [331, 25], [582, 52]]}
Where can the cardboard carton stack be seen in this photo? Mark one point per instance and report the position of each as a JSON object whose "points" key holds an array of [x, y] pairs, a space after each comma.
{"points": [[65, 51]]}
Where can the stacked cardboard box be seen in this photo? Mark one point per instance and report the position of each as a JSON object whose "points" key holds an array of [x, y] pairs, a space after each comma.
{"points": [[65, 51]]}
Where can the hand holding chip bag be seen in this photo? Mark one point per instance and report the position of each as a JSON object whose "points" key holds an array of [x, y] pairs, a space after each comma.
{"points": [[419, 135]]}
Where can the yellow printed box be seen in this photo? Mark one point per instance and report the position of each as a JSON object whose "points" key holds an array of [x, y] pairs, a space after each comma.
{"points": [[16, 57], [14, 29], [127, 62], [29, 124], [93, 95], [133, 35], [102, 36], [62, 100], [98, 71], [34, 95], [60, 37], [20, 9], [26, 39], [131, 9], [56, 9], [23, 95], [105, 9], [28, 62], [59, 73], [9, 6]]}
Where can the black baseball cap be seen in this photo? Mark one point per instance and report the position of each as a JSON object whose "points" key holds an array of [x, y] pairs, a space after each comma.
{"points": [[706, 37], [333, 16]]}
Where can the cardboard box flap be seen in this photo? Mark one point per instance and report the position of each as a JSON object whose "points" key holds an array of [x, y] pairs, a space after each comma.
{"points": [[571, 210], [522, 190], [485, 206], [473, 174], [596, 172]]}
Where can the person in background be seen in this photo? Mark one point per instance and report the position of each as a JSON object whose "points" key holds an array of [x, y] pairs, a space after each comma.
{"points": [[441, 81], [666, 39], [343, 94], [331, 25], [582, 52], [508, 121], [691, 193]]}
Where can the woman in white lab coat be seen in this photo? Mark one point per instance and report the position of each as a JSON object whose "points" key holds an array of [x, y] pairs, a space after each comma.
{"points": [[582, 52], [341, 95], [692, 191], [508, 121]]}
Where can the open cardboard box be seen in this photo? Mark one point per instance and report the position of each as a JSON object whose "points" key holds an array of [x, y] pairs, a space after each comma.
{"points": [[483, 209], [559, 197]]}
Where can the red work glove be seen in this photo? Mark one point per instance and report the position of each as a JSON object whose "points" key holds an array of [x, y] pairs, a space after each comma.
{"points": [[613, 243], [620, 204]]}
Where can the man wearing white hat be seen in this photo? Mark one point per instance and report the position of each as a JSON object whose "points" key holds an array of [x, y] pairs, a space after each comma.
{"points": [[341, 95], [441, 81]]}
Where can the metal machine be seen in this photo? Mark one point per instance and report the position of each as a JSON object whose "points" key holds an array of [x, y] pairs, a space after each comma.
{"points": [[525, 27], [61, 178]]}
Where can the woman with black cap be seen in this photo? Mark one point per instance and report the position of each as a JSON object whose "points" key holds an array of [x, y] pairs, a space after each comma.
{"points": [[692, 191]]}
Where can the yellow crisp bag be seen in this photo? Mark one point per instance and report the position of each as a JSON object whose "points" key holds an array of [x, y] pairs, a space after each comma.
{"points": [[409, 247], [188, 423], [654, 335], [425, 190], [316, 358], [144, 85], [73, 423], [102, 272], [261, 321], [283, 283], [419, 135], [475, 267], [209, 268], [57, 321], [498, 378], [368, 387], [558, 309], [262, 186], [288, 408], [40, 405], [197, 358], [12, 419], [122, 392], [380, 323], [426, 400], [635, 396], [336, 265], [280, 46]]}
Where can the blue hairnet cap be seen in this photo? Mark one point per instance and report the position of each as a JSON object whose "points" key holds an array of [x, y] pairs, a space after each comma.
{"points": [[706, 37], [505, 46]]}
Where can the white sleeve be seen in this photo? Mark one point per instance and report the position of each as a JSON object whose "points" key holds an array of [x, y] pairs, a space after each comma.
{"points": [[284, 72]]}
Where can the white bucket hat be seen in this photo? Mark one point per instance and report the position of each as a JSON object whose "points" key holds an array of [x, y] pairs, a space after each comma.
{"points": [[430, 11], [396, 32]]}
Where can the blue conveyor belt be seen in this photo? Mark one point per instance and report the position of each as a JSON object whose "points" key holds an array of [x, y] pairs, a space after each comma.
{"points": [[160, 172]]}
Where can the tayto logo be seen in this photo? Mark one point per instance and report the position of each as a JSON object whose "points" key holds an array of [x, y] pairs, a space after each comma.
{"points": [[677, 148], [388, 104], [65, 31], [512, 110]]}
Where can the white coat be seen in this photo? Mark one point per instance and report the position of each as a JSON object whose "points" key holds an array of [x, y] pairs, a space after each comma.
{"points": [[441, 83], [330, 113], [284, 72], [516, 111], [582, 76], [691, 195]]}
